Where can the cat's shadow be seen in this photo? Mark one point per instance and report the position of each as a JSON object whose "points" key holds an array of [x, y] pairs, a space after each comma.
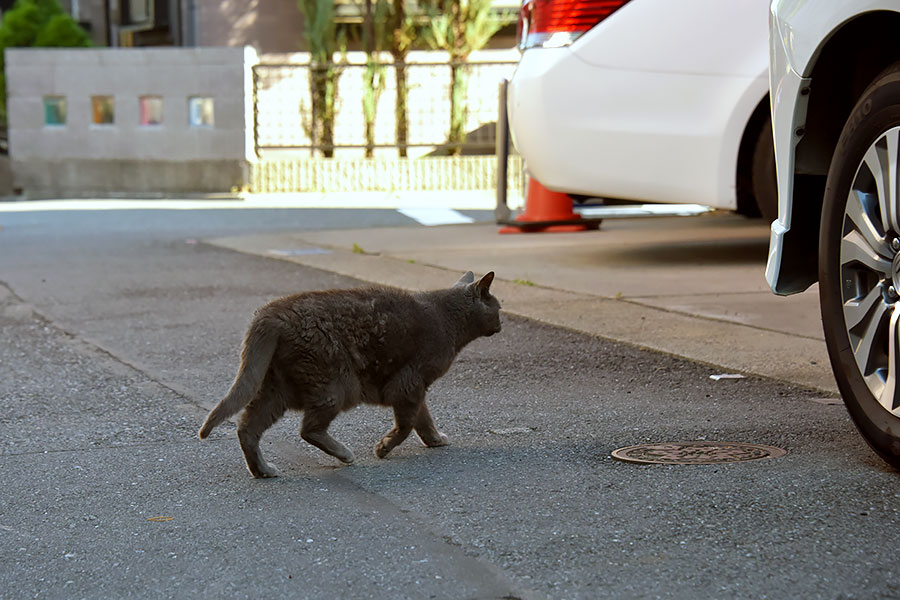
{"points": [[415, 466]]}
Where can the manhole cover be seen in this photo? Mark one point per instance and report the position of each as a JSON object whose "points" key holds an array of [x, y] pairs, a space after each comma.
{"points": [[696, 453]]}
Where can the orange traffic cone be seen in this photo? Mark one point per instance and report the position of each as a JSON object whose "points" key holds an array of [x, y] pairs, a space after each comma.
{"points": [[546, 211]]}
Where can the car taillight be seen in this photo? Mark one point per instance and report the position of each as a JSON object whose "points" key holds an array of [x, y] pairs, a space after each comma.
{"points": [[557, 23]]}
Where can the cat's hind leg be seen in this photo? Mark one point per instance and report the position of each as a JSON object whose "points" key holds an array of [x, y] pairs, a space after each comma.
{"points": [[315, 431], [427, 432], [262, 412], [404, 417], [407, 395]]}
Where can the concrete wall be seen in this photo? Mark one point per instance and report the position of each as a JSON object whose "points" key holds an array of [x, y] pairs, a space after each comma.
{"points": [[83, 158]]}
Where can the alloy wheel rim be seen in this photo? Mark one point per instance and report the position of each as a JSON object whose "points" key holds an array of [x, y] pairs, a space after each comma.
{"points": [[870, 269]]}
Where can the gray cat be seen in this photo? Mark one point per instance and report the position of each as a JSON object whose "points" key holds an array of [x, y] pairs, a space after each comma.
{"points": [[325, 352]]}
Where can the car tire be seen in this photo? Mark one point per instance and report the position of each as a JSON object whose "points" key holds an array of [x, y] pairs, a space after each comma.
{"points": [[859, 263], [762, 174]]}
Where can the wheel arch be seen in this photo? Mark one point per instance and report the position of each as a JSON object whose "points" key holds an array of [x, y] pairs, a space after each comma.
{"points": [[856, 53], [759, 118]]}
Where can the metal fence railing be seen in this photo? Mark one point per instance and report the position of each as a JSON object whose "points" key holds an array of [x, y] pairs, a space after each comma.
{"points": [[291, 158], [283, 108]]}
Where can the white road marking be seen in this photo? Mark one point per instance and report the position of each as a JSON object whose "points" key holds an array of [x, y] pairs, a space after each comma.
{"points": [[435, 215], [476, 200]]}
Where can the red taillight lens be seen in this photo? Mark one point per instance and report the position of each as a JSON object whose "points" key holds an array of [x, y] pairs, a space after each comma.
{"points": [[555, 23]]}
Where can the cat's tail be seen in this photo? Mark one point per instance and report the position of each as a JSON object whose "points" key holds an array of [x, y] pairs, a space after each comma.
{"points": [[256, 354]]}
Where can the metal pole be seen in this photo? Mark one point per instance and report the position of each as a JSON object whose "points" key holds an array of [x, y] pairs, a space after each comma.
{"points": [[254, 72], [501, 212], [192, 29]]}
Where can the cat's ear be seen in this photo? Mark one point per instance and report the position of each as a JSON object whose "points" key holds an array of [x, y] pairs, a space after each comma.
{"points": [[483, 286], [466, 279]]}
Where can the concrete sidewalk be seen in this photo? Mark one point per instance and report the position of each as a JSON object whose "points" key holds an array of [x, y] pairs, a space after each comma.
{"points": [[692, 286]]}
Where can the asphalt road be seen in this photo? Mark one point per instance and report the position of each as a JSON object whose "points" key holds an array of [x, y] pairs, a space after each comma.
{"points": [[120, 330]]}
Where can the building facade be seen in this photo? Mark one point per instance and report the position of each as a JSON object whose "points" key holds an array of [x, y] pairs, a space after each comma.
{"points": [[270, 26]]}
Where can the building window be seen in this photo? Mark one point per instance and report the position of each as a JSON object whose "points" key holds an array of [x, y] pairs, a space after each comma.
{"points": [[103, 109], [136, 12], [151, 110], [200, 111], [54, 110]]}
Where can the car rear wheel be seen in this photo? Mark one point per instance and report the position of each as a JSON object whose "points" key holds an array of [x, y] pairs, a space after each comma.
{"points": [[859, 265], [765, 187]]}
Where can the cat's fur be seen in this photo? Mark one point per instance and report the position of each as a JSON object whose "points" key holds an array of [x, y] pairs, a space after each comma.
{"points": [[325, 352]]}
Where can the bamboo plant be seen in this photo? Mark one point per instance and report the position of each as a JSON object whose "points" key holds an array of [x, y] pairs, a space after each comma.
{"points": [[460, 27], [324, 42]]}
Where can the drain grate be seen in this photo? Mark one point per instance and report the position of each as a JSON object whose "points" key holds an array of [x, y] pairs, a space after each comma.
{"points": [[696, 453]]}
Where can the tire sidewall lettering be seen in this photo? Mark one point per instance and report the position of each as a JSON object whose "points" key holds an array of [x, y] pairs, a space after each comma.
{"points": [[854, 121]]}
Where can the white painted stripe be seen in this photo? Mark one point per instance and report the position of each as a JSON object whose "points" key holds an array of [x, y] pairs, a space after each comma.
{"points": [[93, 205], [381, 200], [435, 215]]}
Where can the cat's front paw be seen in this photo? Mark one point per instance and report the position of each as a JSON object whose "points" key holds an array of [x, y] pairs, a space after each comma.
{"points": [[435, 442]]}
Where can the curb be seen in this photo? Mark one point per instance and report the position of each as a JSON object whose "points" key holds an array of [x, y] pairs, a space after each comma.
{"points": [[724, 345]]}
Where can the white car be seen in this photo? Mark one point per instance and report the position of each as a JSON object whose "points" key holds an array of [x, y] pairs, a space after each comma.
{"points": [[647, 100], [835, 81]]}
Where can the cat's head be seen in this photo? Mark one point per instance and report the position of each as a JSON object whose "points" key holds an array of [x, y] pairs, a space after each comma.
{"points": [[484, 307]]}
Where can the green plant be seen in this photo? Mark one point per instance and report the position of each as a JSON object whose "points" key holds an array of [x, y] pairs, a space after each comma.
{"points": [[398, 31], [62, 30], [460, 27], [373, 87], [324, 42], [374, 40], [36, 23]]}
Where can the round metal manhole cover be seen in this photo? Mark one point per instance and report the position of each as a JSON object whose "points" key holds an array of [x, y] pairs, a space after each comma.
{"points": [[696, 453]]}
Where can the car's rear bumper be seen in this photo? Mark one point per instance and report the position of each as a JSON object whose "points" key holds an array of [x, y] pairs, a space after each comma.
{"points": [[635, 134]]}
